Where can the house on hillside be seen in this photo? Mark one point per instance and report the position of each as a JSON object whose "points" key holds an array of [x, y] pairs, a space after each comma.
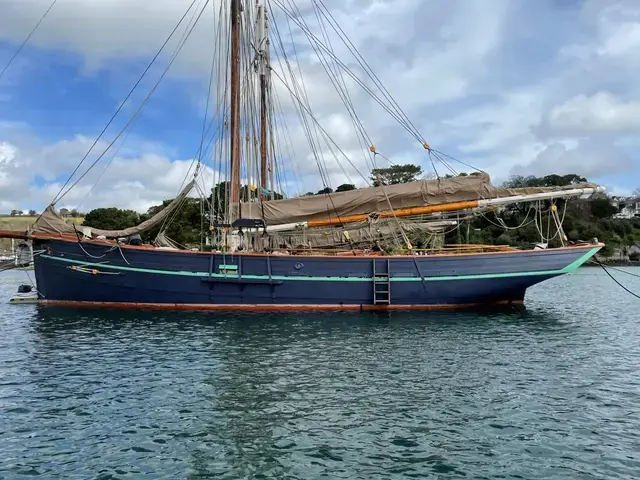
{"points": [[629, 207]]}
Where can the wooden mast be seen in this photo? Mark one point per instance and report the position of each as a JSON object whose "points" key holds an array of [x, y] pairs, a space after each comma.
{"points": [[262, 41], [234, 195]]}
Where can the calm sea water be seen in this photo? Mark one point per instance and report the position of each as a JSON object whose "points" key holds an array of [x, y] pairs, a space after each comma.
{"points": [[553, 392]]}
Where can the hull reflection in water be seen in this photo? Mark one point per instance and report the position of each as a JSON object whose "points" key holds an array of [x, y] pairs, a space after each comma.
{"points": [[100, 274]]}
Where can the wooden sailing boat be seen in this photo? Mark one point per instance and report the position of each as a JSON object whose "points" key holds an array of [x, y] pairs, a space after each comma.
{"points": [[83, 266]]}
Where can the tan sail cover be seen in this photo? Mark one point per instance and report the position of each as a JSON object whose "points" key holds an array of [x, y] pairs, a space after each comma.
{"points": [[51, 222], [374, 199], [335, 237]]}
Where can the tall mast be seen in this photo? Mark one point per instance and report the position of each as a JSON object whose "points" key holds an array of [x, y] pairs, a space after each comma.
{"points": [[234, 194], [262, 42]]}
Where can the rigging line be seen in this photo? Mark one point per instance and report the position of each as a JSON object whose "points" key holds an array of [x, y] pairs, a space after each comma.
{"points": [[540, 225], [122, 104], [220, 100], [115, 154], [193, 162], [203, 195], [297, 105], [206, 109], [320, 126], [26, 40], [438, 156], [136, 115], [343, 92], [458, 160], [196, 155], [433, 165], [302, 117], [144, 102], [615, 280], [504, 226], [445, 163], [378, 154], [304, 95], [300, 106], [312, 136], [288, 143], [301, 91], [369, 71], [337, 80], [310, 35], [617, 269], [172, 216], [361, 60], [223, 148], [204, 153]]}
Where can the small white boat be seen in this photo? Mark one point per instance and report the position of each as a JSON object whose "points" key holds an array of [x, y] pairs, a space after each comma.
{"points": [[27, 294]]}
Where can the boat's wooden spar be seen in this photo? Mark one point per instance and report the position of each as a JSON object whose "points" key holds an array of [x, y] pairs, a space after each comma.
{"points": [[444, 207], [403, 212]]}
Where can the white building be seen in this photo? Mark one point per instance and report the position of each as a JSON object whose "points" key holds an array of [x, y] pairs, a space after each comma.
{"points": [[629, 207]]}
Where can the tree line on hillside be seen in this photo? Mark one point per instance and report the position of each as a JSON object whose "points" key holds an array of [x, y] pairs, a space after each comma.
{"points": [[18, 213], [584, 219], [65, 212]]}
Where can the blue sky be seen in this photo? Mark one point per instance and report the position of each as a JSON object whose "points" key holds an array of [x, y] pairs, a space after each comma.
{"points": [[510, 86]]}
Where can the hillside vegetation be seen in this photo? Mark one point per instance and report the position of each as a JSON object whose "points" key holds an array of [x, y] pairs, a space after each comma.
{"points": [[21, 223], [584, 219]]}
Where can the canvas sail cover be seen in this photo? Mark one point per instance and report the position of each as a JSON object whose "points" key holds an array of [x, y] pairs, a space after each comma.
{"points": [[51, 222], [374, 199], [358, 235]]}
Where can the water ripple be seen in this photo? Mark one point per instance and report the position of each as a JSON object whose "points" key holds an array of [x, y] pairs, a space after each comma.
{"points": [[552, 392]]}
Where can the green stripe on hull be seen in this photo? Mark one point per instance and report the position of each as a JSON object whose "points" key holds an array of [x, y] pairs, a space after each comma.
{"points": [[580, 261], [569, 268]]}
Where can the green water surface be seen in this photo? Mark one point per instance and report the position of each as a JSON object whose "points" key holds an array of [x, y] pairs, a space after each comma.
{"points": [[552, 392]]}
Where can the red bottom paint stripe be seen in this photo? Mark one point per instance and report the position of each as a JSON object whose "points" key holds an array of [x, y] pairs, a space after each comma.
{"points": [[272, 308]]}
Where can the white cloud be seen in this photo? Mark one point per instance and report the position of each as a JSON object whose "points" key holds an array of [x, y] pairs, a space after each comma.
{"points": [[587, 158], [448, 64], [130, 182], [103, 31], [602, 112]]}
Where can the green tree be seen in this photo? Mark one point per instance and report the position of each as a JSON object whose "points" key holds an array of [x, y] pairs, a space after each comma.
{"points": [[183, 226], [111, 218], [345, 187], [602, 208], [32, 212], [325, 191], [218, 202], [519, 181], [395, 174]]}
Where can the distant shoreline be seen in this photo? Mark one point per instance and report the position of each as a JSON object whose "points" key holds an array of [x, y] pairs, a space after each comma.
{"points": [[613, 263]]}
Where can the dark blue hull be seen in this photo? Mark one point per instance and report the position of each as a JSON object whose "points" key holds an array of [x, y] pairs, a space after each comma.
{"points": [[96, 274]]}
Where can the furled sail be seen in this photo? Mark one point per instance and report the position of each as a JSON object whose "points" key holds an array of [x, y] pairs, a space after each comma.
{"points": [[376, 199], [51, 222], [357, 235]]}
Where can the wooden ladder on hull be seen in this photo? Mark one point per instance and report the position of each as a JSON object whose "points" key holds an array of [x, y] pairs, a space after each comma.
{"points": [[381, 282]]}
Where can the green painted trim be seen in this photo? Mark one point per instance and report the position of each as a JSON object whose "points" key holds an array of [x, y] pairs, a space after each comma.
{"points": [[227, 267], [576, 264], [569, 268]]}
